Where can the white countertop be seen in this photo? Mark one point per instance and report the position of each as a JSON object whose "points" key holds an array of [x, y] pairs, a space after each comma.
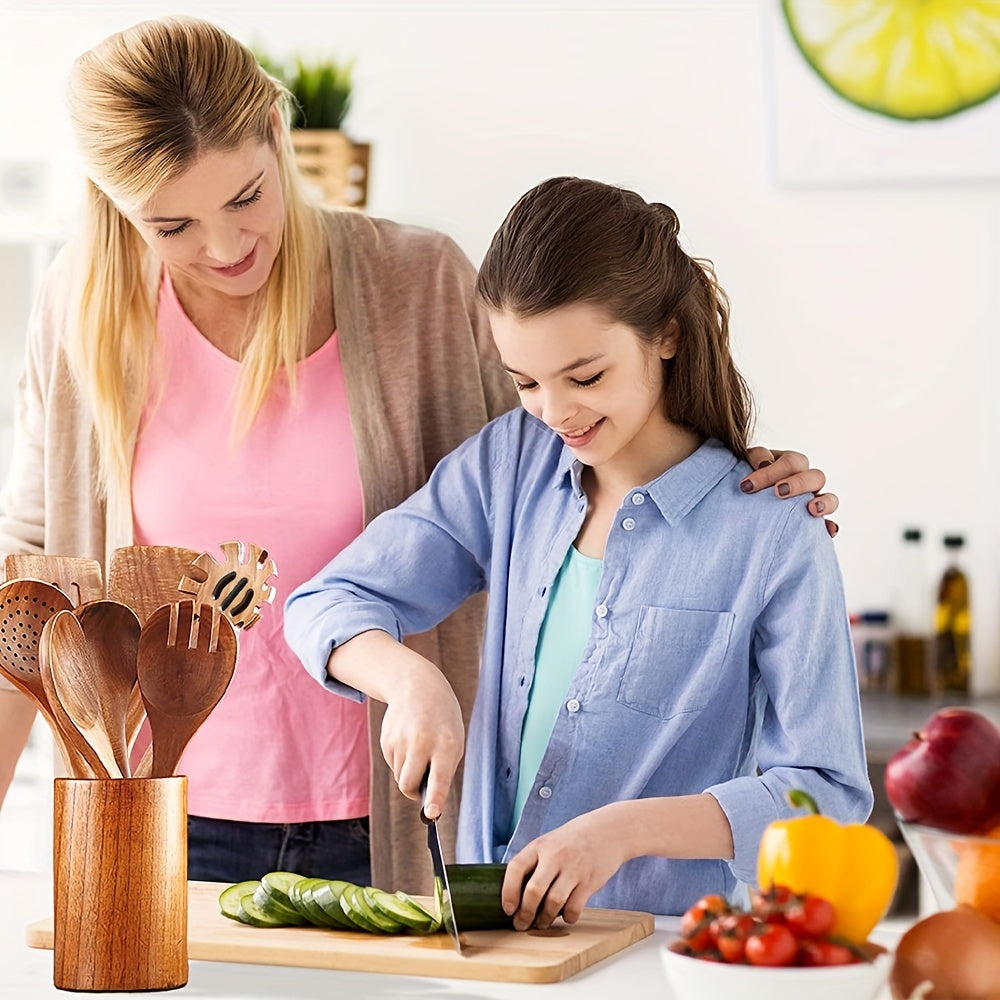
{"points": [[26, 973]]}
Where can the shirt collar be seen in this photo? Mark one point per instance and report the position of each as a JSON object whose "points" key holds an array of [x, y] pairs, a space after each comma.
{"points": [[678, 490]]}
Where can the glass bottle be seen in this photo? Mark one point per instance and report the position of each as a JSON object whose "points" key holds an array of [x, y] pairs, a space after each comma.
{"points": [[913, 617], [871, 634], [953, 648]]}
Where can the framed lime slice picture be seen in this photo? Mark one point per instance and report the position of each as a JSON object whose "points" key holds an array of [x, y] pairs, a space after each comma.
{"points": [[906, 59]]}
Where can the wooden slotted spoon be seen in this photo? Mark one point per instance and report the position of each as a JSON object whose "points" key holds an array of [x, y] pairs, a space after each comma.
{"points": [[187, 655], [81, 580], [238, 585], [25, 607]]}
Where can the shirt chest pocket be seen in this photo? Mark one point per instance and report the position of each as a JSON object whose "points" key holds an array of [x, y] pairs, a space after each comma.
{"points": [[675, 662]]}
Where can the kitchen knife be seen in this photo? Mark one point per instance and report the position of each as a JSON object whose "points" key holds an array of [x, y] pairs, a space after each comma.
{"points": [[441, 888]]}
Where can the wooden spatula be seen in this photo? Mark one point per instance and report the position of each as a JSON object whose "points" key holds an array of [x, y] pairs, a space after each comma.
{"points": [[144, 577], [187, 655], [81, 580]]}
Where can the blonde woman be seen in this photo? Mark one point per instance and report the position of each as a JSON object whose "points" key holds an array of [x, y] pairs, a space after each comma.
{"points": [[215, 358]]}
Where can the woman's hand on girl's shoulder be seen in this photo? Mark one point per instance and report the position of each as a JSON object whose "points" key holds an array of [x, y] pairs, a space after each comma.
{"points": [[788, 473]]}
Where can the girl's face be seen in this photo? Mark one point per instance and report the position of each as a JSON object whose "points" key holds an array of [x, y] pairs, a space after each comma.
{"points": [[595, 382], [218, 226]]}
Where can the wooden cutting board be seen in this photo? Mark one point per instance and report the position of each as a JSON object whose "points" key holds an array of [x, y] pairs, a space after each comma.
{"points": [[497, 956]]}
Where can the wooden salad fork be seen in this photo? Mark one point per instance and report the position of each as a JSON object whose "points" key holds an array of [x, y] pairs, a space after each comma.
{"points": [[187, 656]]}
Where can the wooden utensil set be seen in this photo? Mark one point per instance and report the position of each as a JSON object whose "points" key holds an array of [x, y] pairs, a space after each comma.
{"points": [[97, 664]]}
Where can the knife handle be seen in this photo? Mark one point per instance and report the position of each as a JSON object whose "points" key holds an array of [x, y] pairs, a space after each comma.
{"points": [[423, 797]]}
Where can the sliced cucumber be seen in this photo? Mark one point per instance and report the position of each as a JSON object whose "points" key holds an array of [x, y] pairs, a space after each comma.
{"points": [[357, 911], [301, 896], [229, 899], [326, 895], [255, 916], [415, 904], [284, 913], [278, 886], [401, 909], [281, 899]]}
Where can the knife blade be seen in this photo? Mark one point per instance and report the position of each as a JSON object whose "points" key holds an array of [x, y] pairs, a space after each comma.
{"points": [[442, 890]]}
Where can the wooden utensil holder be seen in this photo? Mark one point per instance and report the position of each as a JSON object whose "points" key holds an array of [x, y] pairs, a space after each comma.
{"points": [[120, 884]]}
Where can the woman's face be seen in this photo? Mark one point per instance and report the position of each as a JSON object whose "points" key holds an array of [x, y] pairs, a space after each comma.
{"points": [[218, 226], [595, 382]]}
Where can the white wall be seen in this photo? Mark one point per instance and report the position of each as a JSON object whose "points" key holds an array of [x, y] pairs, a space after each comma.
{"points": [[865, 318]]}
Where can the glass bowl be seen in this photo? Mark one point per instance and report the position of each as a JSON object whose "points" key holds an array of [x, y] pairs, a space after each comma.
{"points": [[958, 868], [693, 978]]}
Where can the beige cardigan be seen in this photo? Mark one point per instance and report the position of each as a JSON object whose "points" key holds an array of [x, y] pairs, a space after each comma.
{"points": [[422, 375]]}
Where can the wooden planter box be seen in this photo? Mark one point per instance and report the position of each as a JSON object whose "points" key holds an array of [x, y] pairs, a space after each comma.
{"points": [[334, 167]]}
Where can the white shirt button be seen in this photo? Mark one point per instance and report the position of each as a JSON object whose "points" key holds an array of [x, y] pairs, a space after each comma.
{"points": [[572, 705], [601, 611], [638, 498], [628, 524], [545, 792]]}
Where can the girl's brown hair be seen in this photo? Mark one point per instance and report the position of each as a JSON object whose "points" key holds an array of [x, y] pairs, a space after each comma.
{"points": [[570, 240], [145, 104]]}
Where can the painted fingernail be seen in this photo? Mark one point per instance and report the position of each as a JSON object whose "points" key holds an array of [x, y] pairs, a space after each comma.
{"points": [[784, 489], [832, 528], [764, 464], [819, 507], [746, 486]]}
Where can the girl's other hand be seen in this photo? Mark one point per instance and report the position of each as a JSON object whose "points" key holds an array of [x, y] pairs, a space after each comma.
{"points": [[561, 870], [788, 473]]}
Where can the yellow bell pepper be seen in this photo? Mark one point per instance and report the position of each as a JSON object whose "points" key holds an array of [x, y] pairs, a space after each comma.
{"points": [[853, 866]]}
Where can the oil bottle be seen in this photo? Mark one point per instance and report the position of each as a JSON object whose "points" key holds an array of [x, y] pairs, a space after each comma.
{"points": [[913, 617], [953, 650]]}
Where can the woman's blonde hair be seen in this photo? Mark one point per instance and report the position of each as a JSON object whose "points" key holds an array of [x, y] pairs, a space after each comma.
{"points": [[145, 104]]}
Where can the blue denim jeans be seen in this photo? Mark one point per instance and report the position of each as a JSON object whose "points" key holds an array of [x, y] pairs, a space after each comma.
{"points": [[222, 850]]}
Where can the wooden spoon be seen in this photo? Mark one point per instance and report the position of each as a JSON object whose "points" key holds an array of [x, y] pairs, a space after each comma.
{"points": [[81, 580], [25, 607], [80, 688], [187, 655], [82, 760], [111, 631]]}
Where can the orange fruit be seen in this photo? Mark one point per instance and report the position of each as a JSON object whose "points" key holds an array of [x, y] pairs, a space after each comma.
{"points": [[977, 878]]}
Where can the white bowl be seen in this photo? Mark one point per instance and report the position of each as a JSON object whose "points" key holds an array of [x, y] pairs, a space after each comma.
{"points": [[696, 979]]}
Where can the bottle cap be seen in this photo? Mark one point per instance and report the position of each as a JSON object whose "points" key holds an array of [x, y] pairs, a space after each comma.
{"points": [[954, 541], [912, 535], [875, 617]]}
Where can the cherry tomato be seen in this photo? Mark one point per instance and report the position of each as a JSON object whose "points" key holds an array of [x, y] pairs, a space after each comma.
{"points": [[731, 933], [773, 944], [696, 924], [769, 904], [825, 952], [810, 916]]}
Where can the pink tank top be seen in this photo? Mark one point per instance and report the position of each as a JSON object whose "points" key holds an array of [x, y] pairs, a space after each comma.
{"points": [[277, 749]]}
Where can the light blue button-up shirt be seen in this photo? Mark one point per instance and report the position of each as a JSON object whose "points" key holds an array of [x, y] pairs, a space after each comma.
{"points": [[719, 656]]}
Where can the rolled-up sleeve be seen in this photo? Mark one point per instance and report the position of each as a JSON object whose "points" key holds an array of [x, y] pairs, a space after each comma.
{"points": [[383, 581]]}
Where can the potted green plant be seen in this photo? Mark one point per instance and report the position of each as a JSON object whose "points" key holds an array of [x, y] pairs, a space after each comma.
{"points": [[333, 164]]}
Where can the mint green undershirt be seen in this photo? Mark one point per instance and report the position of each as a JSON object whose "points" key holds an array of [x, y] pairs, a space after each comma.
{"points": [[561, 643]]}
